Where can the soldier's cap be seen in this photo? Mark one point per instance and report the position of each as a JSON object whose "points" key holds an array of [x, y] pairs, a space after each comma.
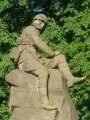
{"points": [[41, 17]]}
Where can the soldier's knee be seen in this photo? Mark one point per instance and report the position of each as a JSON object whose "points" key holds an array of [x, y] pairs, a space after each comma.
{"points": [[61, 58]]}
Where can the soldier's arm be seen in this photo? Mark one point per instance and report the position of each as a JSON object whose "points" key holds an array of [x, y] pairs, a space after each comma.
{"points": [[39, 43]]}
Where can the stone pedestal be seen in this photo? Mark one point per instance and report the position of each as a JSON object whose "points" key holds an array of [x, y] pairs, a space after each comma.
{"points": [[25, 100]]}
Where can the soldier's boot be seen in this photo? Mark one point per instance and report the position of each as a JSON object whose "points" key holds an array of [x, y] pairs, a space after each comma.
{"points": [[64, 68], [44, 99]]}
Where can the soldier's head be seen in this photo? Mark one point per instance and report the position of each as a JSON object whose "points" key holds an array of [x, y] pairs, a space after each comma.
{"points": [[40, 21]]}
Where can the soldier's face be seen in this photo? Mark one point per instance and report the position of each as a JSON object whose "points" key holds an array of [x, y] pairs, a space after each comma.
{"points": [[39, 24]]}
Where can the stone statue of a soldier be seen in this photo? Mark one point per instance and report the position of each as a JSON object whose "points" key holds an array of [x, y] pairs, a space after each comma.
{"points": [[28, 61]]}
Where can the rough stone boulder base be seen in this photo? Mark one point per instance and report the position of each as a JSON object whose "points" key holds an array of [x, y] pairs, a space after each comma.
{"points": [[25, 99], [59, 95]]}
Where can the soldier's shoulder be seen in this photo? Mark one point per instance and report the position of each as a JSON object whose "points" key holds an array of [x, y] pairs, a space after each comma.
{"points": [[30, 28]]}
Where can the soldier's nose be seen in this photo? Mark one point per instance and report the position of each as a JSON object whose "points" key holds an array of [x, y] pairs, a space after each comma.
{"points": [[40, 21]]}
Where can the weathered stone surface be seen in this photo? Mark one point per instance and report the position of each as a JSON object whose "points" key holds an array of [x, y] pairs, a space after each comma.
{"points": [[28, 114], [20, 78], [59, 95], [25, 100]]}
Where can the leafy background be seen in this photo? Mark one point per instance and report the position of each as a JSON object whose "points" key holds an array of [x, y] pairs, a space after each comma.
{"points": [[68, 31]]}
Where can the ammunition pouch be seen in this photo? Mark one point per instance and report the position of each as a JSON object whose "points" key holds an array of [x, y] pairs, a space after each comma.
{"points": [[15, 54]]}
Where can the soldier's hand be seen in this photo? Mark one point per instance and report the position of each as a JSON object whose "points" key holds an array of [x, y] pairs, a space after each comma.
{"points": [[50, 55]]}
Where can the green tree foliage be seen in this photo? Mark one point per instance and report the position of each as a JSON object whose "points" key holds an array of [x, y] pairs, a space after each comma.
{"points": [[70, 33], [77, 53], [67, 31], [7, 41]]}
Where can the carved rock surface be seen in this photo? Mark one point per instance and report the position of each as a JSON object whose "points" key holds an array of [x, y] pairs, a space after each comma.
{"points": [[25, 100]]}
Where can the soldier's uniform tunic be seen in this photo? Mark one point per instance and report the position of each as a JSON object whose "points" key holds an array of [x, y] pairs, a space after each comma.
{"points": [[30, 41]]}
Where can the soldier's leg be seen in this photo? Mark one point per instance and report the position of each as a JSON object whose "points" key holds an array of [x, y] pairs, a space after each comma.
{"points": [[64, 68], [62, 64], [41, 72]]}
